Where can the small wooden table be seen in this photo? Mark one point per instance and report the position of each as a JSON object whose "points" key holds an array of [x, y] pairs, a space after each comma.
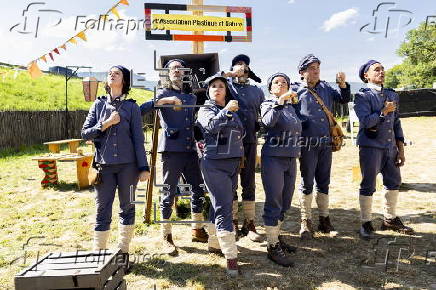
{"points": [[48, 165], [54, 146]]}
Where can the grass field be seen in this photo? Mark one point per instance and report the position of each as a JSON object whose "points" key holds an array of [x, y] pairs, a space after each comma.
{"points": [[47, 93], [64, 216]]}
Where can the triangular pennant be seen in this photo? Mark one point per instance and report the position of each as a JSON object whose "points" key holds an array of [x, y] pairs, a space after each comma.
{"points": [[64, 46], [34, 70], [43, 58], [125, 2], [56, 50], [81, 35], [115, 12], [51, 56], [72, 40]]}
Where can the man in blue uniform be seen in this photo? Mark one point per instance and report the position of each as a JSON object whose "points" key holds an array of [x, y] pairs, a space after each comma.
{"points": [[178, 151], [249, 98], [316, 152], [381, 148]]}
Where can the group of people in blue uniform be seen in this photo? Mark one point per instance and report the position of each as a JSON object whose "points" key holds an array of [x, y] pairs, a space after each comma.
{"points": [[294, 126]]}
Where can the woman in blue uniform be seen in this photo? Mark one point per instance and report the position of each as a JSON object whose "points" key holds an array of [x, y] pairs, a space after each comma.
{"points": [[114, 124], [381, 148], [223, 149], [177, 147], [279, 163]]}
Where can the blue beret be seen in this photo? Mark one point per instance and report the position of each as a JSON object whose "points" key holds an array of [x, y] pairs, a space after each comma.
{"points": [[173, 60], [364, 68], [241, 57], [306, 61], [271, 78]]}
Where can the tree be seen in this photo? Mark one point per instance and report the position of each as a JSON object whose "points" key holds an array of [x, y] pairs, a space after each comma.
{"points": [[419, 66]]}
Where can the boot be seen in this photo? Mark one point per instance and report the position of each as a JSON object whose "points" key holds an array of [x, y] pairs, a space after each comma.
{"points": [[249, 229], [391, 221], [232, 268], [168, 246], [366, 231], [198, 232], [276, 254], [322, 200], [306, 230], [396, 225], [285, 246], [275, 251], [100, 240], [213, 245], [228, 246], [324, 225]]}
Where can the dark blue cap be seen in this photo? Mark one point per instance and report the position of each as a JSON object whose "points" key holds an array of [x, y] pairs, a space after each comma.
{"points": [[306, 61], [279, 74], [241, 57], [364, 68]]}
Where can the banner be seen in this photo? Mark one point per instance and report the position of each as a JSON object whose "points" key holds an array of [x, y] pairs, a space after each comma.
{"points": [[196, 23]]}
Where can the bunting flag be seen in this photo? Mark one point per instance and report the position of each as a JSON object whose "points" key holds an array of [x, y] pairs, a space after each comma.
{"points": [[115, 12], [82, 35], [34, 70]]}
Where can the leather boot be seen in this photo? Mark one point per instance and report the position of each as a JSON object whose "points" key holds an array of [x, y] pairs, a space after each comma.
{"points": [[277, 255], [396, 225], [306, 230], [366, 231], [249, 229], [324, 225], [199, 235]]}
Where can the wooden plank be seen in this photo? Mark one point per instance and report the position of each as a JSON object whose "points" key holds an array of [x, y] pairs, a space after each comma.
{"points": [[122, 286], [115, 280]]}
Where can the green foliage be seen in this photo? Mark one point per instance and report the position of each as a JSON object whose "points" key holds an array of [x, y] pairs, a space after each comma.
{"points": [[419, 66], [47, 93]]}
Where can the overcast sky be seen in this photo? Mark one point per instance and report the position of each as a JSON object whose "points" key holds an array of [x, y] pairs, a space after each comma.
{"points": [[283, 32]]}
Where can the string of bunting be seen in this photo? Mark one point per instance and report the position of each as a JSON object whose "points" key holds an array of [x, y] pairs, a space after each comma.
{"points": [[33, 67]]}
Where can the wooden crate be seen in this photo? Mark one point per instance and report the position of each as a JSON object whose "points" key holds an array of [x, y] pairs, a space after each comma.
{"points": [[77, 270]]}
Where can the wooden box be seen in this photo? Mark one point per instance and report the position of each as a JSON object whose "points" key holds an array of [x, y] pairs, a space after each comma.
{"points": [[77, 270]]}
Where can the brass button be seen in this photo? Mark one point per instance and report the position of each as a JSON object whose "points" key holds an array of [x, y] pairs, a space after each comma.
{"points": [[115, 144], [322, 119], [115, 155], [389, 139]]}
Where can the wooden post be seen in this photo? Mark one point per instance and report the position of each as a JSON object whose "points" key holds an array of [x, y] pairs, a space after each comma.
{"points": [[197, 46], [149, 191]]}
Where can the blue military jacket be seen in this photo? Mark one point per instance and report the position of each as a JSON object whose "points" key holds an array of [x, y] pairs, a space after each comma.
{"points": [[177, 133], [374, 129], [283, 129], [121, 143], [249, 98], [222, 130], [315, 121]]}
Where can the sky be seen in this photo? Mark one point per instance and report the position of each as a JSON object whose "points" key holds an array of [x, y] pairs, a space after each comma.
{"points": [[283, 32]]}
